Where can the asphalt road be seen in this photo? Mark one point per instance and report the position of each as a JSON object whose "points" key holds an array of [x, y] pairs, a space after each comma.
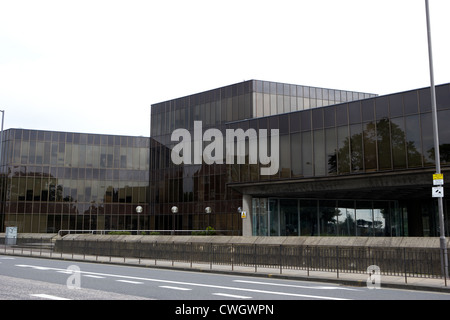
{"points": [[23, 278]]}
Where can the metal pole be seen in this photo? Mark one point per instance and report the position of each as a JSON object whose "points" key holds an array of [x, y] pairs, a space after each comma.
{"points": [[443, 245], [1, 158]]}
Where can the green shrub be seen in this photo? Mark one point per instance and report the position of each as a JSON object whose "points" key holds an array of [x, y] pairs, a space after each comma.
{"points": [[209, 231]]}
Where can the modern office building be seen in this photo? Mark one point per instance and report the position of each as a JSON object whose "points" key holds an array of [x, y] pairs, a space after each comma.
{"points": [[350, 163], [55, 181], [297, 160]]}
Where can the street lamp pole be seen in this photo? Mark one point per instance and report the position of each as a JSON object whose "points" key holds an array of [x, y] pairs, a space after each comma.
{"points": [[174, 210], [437, 156], [138, 211], [208, 210]]}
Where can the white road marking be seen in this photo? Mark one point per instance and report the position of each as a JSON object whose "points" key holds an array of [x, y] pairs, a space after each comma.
{"points": [[92, 276], [47, 296], [42, 268], [231, 296], [39, 267], [297, 286], [128, 281], [65, 271], [192, 284], [175, 288]]}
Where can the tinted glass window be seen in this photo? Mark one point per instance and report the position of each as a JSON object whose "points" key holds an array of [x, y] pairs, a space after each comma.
{"points": [[443, 97], [425, 100], [410, 101], [413, 141], [398, 143], [382, 107], [367, 109], [396, 104], [444, 136], [306, 120], [354, 112], [341, 115], [294, 122], [317, 118], [427, 138], [329, 115]]}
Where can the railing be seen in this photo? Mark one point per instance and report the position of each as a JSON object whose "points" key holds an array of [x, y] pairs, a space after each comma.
{"points": [[412, 262], [154, 232], [404, 262]]}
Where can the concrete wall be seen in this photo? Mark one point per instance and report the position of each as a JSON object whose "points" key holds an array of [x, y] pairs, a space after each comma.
{"points": [[387, 242]]}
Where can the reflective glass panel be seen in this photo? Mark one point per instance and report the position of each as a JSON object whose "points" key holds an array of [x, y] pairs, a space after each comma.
{"points": [[289, 217], [296, 160], [307, 165], [364, 218], [411, 103], [382, 107], [381, 215], [354, 112], [319, 153], [346, 218], [370, 147], [443, 97], [425, 100], [444, 136], [413, 141], [367, 110], [328, 215], [341, 115], [356, 153], [343, 152], [398, 143], [308, 217], [396, 105], [274, 217], [384, 144], [330, 150]]}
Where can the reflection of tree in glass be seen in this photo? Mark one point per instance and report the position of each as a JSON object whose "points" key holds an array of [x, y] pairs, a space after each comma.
{"points": [[329, 215], [385, 133], [346, 222], [444, 152]]}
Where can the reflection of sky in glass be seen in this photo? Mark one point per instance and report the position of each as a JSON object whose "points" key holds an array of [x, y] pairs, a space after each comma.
{"points": [[379, 220], [364, 214], [364, 221], [283, 216]]}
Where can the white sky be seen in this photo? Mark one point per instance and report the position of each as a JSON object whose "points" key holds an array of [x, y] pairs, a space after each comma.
{"points": [[97, 66]]}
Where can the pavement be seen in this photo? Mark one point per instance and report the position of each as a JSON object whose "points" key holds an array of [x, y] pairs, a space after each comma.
{"points": [[343, 278]]}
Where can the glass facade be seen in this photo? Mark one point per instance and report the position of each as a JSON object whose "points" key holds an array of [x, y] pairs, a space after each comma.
{"points": [[350, 164], [61, 180], [378, 134], [194, 187], [321, 217], [326, 137]]}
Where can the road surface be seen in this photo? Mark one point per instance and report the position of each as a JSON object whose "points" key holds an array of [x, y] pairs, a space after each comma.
{"points": [[26, 278]]}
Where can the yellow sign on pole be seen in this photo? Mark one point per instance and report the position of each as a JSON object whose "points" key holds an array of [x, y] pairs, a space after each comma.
{"points": [[244, 214], [438, 179]]}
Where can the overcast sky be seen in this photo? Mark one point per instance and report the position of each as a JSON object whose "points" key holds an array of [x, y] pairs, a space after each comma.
{"points": [[97, 66]]}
